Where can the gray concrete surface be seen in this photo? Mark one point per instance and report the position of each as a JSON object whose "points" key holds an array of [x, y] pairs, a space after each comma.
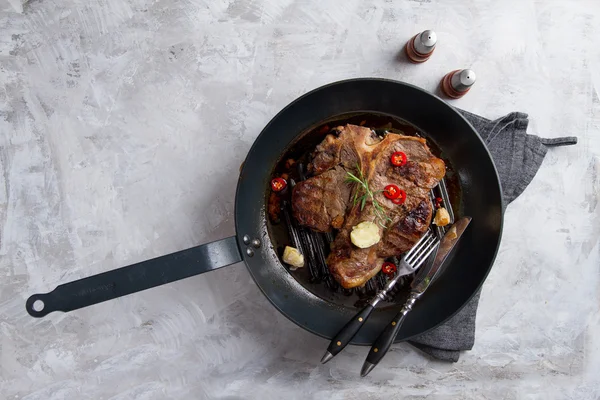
{"points": [[122, 127]]}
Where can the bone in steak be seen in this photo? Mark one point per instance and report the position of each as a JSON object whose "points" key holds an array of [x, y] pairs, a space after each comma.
{"points": [[325, 201]]}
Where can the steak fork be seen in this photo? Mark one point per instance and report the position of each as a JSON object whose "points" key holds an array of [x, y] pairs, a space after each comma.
{"points": [[409, 262]]}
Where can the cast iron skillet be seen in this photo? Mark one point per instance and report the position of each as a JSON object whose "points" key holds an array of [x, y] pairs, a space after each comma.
{"points": [[461, 145]]}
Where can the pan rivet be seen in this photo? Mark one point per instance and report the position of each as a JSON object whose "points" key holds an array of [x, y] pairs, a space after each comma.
{"points": [[339, 343], [393, 323], [256, 243], [360, 319], [246, 239], [375, 350], [249, 252]]}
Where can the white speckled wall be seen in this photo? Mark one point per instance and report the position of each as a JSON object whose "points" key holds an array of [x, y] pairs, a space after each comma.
{"points": [[122, 127]]}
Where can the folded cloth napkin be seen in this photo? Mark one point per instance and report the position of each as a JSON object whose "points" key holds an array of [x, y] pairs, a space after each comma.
{"points": [[517, 157]]}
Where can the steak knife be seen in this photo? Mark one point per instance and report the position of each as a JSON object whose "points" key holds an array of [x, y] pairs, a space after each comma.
{"points": [[423, 279]]}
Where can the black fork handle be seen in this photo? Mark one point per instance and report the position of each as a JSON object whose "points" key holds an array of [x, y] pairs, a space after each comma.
{"points": [[135, 278], [345, 335]]}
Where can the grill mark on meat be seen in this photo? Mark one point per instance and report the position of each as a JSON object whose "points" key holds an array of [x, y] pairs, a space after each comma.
{"points": [[417, 220], [323, 201], [406, 231], [318, 201]]}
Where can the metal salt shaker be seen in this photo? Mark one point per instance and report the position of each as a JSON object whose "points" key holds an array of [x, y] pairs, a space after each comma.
{"points": [[420, 47], [457, 83]]}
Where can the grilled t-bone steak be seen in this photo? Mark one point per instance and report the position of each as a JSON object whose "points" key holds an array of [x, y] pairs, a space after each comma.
{"points": [[325, 201]]}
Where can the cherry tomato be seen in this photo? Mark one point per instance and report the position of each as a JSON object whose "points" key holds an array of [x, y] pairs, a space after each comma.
{"points": [[401, 197], [278, 184], [389, 268], [391, 192], [398, 158]]}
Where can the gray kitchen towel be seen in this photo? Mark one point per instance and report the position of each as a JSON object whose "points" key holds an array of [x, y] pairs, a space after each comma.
{"points": [[517, 157]]}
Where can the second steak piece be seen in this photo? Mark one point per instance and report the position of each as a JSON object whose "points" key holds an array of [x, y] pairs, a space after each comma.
{"points": [[325, 201]]}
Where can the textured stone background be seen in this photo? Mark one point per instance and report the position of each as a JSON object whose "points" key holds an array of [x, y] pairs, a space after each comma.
{"points": [[122, 127]]}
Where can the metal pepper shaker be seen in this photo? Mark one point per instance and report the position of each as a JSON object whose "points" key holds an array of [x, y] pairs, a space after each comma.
{"points": [[457, 83], [420, 47]]}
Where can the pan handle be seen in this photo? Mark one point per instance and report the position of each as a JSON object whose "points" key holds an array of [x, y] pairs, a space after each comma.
{"points": [[135, 278]]}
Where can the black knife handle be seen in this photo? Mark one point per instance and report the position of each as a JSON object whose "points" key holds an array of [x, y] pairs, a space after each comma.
{"points": [[345, 335], [383, 343], [385, 340]]}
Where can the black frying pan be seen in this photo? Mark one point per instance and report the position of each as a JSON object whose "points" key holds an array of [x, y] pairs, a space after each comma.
{"points": [[461, 146]]}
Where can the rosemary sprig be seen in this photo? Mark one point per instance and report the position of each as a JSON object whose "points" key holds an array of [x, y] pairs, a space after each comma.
{"points": [[367, 194]]}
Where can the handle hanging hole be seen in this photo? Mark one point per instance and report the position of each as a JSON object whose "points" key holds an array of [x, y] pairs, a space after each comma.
{"points": [[38, 305]]}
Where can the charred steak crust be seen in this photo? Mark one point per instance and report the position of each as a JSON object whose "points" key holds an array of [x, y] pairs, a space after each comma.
{"points": [[324, 201]]}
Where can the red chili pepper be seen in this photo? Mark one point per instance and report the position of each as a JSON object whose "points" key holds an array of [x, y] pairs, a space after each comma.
{"points": [[401, 198], [389, 268], [324, 129], [398, 158], [438, 201], [391, 192], [278, 184]]}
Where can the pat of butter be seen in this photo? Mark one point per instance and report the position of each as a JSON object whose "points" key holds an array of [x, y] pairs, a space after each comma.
{"points": [[365, 234], [293, 257]]}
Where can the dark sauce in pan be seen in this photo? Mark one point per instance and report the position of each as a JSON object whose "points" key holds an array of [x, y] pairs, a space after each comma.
{"points": [[300, 152]]}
